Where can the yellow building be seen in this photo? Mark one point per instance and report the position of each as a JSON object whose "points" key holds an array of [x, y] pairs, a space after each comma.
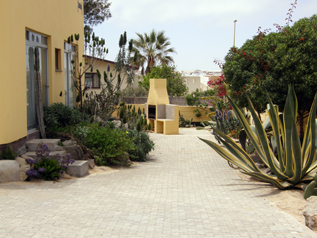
{"points": [[103, 65], [25, 25]]}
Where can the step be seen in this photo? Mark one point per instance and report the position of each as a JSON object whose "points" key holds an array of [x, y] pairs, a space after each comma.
{"points": [[51, 144], [78, 169], [52, 154]]}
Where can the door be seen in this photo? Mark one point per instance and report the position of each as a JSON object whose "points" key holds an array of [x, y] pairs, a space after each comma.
{"points": [[35, 40], [69, 69], [30, 88]]}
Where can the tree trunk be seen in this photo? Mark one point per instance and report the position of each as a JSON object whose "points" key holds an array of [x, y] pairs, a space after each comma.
{"points": [[38, 94]]}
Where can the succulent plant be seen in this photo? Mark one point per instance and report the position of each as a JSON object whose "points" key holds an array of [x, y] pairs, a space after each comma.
{"points": [[295, 162]]}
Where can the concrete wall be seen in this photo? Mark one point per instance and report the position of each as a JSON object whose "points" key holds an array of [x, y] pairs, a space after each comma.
{"points": [[185, 111], [141, 100], [57, 19]]}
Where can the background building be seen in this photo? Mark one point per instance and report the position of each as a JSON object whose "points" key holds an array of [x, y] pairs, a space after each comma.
{"points": [[198, 79]]}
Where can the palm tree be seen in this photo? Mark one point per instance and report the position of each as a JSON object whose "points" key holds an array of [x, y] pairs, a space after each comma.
{"points": [[152, 49]]}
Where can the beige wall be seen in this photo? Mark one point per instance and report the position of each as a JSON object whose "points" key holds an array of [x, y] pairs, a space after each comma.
{"points": [[56, 19], [102, 65], [188, 112]]}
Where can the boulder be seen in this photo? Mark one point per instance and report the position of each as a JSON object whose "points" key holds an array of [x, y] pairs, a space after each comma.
{"points": [[23, 168], [91, 163], [310, 213], [24, 156], [59, 148], [117, 123], [72, 148], [124, 160], [69, 143], [9, 171], [65, 176]]}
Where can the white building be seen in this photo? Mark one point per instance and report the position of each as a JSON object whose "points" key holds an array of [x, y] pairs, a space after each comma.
{"points": [[199, 78]]}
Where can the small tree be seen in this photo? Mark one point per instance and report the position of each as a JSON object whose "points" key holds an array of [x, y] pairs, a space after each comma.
{"points": [[175, 83], [151, 50], [105, 103], [270, 62], [95, 12], [94, 50], [38, 93]]}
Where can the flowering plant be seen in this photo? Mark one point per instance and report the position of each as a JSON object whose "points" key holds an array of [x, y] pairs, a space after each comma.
{"points": [[220, 85], [227, 123], [45, 167]]}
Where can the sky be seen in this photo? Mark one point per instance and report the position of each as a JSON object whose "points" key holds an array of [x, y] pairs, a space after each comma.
{"points": [[200, 31]]}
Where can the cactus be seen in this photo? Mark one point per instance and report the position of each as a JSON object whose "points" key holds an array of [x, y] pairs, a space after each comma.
{"points": [[311, 188], [139, 126]]}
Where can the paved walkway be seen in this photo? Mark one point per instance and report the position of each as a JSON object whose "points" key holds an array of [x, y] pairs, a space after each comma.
{"points": [[184, 190]]}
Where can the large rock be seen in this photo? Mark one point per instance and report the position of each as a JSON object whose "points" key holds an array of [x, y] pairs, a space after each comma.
{"points": [[24, 156], [72, 148], [124, 159], [310, 213], [117, 123], [23, 168], [9, 171], [91, 163]]}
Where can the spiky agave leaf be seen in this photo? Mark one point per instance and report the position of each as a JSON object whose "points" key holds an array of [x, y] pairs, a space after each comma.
{"points": [[296, 163]]}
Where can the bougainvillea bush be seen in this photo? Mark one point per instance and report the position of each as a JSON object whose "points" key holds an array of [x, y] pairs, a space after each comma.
{"points": [[220, 86]]}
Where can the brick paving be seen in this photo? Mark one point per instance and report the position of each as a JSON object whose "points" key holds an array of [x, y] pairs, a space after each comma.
{"points": [[184, 190]]}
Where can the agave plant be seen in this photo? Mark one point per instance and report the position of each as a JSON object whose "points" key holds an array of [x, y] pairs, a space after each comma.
{"points": [[311, 188], [245, 141], [295, 162]]}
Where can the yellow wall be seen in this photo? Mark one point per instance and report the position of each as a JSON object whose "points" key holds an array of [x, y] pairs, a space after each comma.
{"points": [[188, 113], [102, 67], [56, 19], [137, 106]]}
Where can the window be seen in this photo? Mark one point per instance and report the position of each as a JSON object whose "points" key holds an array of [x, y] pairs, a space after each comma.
{"points": [[58, 66], [92, 80], [38, 39], [108, 68]]}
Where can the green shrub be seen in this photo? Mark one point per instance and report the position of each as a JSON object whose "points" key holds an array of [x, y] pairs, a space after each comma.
{"points": [[8, 153], [59, 115], [142, 145], [108, 144], [182, 122], [138, 92]]}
